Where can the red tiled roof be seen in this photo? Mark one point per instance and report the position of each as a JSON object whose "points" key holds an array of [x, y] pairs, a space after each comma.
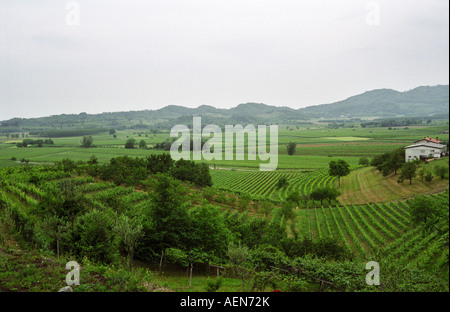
{"points": [[430, 140]]}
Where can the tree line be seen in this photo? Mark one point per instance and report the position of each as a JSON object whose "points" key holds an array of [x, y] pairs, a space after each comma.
{"points": [[394, 162]]}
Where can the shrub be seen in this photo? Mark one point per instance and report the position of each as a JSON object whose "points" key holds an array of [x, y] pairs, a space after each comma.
{"points": [[282, 182], [440, 171], [364, 161], [212, 285]]}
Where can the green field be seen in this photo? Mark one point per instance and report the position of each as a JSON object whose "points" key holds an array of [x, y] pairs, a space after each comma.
{"points": [[263, 185], [368, 185], [315, 147], [370, 220]]}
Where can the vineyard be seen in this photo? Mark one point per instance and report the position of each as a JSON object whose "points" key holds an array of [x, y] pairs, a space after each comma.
{"points": [[372, 231], [263, 184], [368, 230], [376, 231]]}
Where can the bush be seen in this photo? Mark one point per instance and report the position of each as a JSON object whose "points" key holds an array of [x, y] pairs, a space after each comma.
{"points": [[293, 284], [93, 237], [291, 148], [440, 171], [282, 182], [212, 285], [243, 201], [364, 161], [130, 143], [428, 177]]}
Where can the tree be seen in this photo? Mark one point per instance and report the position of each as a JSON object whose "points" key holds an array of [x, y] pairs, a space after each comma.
{"points": [[331, 193], [129, 233], [87, 141], [425, 211], [291, 148], [142, 144], [207, 232], [287, 210], [428, 177], [202, 177], [295, 197], [440, 171], [112, 131], [421, 173], [243, 201], [238, 255], [432, 216], [408, 171], [94, 236], [379, 160], [339, 168], [65, 201], [161, 163], [188, 170], [93, 160], [56, 228], [389, 162], [130, 143], [318, 194], [397, 159], [167, 217], [327, 192]]}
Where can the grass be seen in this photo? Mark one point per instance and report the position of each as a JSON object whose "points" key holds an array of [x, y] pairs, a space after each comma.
{"points": [[179, 282], [368, 185]]}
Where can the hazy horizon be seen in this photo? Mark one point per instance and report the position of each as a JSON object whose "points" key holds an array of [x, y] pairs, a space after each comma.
{"points": [[68, 57], [229, 107]]}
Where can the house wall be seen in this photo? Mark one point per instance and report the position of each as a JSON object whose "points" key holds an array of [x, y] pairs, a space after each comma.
{"points": [[416, 152]]}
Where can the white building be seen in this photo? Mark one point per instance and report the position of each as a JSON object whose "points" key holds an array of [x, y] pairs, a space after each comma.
{"points": [[425, 148]]}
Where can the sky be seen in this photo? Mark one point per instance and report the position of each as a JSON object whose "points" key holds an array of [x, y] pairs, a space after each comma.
{"points": [[96, 56]]}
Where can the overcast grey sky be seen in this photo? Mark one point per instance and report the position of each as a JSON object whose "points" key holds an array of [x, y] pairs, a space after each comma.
{"points": [[107, 55]]}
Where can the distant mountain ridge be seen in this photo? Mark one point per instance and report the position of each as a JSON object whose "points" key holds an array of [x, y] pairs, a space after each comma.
{"points": [[419, 102]]}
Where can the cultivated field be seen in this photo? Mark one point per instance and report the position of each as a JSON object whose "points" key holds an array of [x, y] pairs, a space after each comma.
{"points": [[370, 220]]}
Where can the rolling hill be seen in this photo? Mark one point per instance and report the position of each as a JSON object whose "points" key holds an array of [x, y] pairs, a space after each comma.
{"points": [[422, 101]]}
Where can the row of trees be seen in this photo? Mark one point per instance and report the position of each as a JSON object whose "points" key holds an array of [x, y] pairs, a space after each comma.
{"points": [[318, 194], [133, 171], [394, 162], [131, 143], [38, 143], [389, 162], [337, 168]]}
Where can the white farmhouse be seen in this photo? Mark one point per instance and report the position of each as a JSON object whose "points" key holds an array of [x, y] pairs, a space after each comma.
{"points": [[425, 148]]}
